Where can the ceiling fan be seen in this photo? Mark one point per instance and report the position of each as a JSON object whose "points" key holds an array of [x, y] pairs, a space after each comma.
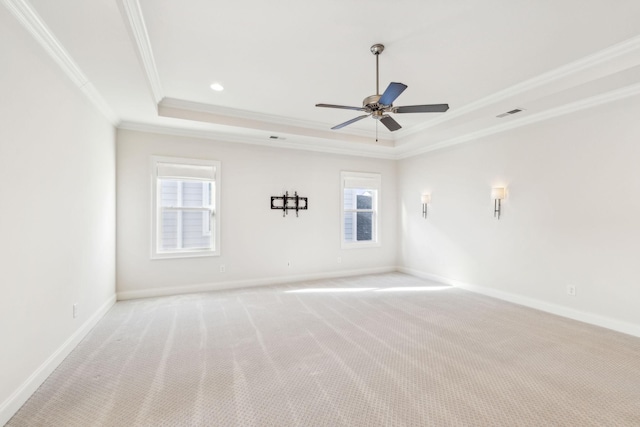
{"points": [[378, 106]]}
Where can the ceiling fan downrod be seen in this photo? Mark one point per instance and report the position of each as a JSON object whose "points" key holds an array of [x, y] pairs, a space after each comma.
{"points": [[377, 49]]}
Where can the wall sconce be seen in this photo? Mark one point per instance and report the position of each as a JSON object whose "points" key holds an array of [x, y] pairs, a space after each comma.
{"points": [[497, 194], [426, 199]]}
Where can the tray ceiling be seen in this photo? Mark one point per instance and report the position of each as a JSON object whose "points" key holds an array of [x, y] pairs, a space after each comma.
{"points": [[150, 64]]}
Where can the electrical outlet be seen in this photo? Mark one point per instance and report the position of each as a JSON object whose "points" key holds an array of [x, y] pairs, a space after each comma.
{"points": [[75, 310], [222, 269], [571, 290], [339, 260]]}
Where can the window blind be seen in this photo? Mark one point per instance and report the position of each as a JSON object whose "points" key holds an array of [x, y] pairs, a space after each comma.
{"points": [[371, 181], [182, 171]]}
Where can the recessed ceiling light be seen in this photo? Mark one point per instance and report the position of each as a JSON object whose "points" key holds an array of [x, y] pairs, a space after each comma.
{"points": [[217, 87]]}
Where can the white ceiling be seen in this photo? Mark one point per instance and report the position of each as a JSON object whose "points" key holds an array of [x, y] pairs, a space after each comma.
{"points": [[152, 61]]}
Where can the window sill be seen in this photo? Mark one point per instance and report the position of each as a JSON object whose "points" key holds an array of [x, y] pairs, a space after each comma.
{"points": [[184, 254], [359, 245]]}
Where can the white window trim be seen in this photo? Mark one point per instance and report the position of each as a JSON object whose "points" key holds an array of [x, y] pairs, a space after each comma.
{"points": [[155, 212], [376, 184]]}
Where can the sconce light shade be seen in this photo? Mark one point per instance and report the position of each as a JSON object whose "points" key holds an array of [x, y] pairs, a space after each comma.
{"points": [[426, 198], [498, 193]]}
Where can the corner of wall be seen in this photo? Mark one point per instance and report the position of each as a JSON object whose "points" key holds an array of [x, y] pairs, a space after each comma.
{"points": [[14, 402], [559, 310]]}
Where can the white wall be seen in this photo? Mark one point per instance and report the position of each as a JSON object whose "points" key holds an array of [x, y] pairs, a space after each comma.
{"points": [[57, 214], [256, 242], [572, 215]]}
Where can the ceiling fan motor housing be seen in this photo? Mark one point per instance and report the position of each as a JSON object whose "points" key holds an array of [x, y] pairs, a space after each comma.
{"points": [[370, 103]]}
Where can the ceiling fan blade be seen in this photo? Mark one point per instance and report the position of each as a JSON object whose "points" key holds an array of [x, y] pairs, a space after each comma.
{"points": [[344, 107], [390, 123], [348, 122], [391, 93], [433, 108]]}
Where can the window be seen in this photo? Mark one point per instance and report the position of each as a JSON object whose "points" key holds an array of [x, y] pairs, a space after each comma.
{"points": [[186, 221], [360, 194]]}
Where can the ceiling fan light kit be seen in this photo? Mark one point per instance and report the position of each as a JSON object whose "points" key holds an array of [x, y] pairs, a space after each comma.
{"points": [[379, 106]]}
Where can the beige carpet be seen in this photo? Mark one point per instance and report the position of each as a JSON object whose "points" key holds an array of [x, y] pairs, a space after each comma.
{"points": [[373, 356]]}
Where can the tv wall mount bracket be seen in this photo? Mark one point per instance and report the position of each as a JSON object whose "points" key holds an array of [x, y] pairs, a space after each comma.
{"points": [[287, 203]]}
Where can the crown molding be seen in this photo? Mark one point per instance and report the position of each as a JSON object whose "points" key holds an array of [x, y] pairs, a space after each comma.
{"points": [[99, 102], [198, 107], [373, 151], [611, 53], [138, 30], [385, 152], [562, 110], [32, 22]]}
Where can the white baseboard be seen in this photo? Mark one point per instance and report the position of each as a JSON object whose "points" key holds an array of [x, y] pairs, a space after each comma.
{"points": [[237, 284], [14, 402], [593, 319]]}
